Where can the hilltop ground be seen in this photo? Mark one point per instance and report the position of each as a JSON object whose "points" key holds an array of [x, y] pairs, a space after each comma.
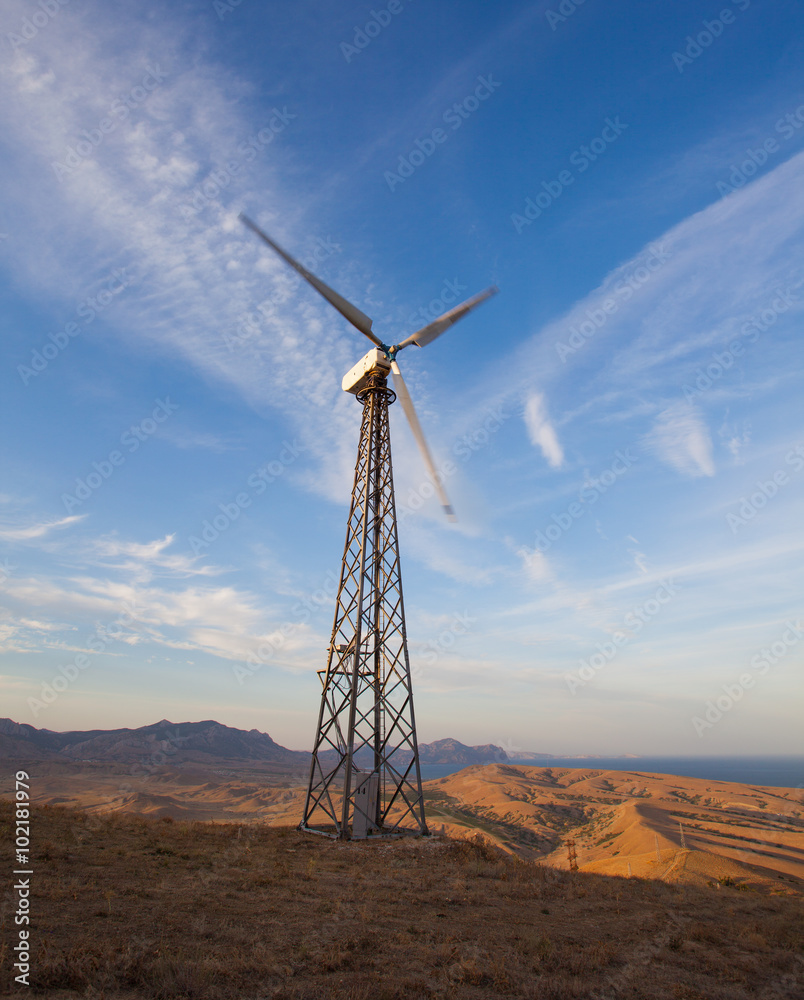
{"points": [[129, 907]]}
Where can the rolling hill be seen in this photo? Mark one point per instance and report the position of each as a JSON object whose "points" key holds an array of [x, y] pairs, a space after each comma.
{"points": [[629, 823]]}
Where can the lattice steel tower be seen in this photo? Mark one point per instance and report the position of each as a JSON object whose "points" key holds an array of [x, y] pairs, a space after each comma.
{"points": [[365, 779]]}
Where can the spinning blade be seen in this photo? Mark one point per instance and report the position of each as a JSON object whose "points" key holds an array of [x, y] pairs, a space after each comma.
{"points": [[358, 319], [428, 333], [415, 426]]}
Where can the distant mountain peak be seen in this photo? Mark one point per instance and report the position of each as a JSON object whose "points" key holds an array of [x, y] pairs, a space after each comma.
{"points": [[452, 751], [176, 743]]}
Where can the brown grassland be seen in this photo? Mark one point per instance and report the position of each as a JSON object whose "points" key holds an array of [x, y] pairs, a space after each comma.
{"points": [[127, 906]]}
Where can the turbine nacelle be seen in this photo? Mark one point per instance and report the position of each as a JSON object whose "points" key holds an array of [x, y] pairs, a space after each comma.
{"points": [[374, 363]]}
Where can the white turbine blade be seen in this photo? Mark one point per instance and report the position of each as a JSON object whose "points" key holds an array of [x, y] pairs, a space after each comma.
{"points": [[415, 426], [358, 319], [429, 333]]}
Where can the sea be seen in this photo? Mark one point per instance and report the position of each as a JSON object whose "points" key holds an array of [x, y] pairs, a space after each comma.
{"points": [[775, 772]]}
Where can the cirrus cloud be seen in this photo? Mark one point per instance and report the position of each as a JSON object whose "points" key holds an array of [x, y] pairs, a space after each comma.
{"points": [[681, 439], [541, 432]]}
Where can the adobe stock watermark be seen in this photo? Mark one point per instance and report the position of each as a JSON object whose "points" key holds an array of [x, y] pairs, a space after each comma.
{"points": [[6, 570], [761, 663], [224, 7], [454, 116], [258, 482], [141, 769], [206, 193], [787, 126], [591, 492], [433, 649], [463, 449], [790, 983], [21, 951], [450, 291], [713, 29], [624, 290], [750, 332], [633, 623], [750, 506], [563, 12], [581, 159], [120, 109], [31, 26], [87, 310], [640, 962], [513, 750], [97, 642], [377, 22], [249, 324], [754, 854], [302, 613], [131, 440]]}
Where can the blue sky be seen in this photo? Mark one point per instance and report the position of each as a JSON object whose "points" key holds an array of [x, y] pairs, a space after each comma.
{"points": [[622, 420]]}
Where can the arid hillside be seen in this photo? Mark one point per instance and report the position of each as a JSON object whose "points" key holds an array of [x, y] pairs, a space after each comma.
{"points": [[649, 825], [629, 822], [127, 907]]}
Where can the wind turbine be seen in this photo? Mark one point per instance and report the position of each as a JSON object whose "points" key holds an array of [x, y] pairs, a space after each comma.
{"points": [[365, 778]]}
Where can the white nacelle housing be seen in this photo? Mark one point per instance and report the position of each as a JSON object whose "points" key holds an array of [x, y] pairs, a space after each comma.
{"points": [[357, 378]]}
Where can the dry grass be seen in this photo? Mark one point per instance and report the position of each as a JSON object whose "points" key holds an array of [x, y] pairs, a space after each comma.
{"points": [[128, 907]]}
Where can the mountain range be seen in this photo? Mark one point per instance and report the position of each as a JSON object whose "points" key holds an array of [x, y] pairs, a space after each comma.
{"points": [[193, 742]]}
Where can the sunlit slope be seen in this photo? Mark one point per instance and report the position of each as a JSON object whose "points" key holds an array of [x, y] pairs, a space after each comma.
{"points": [[649, 825]]}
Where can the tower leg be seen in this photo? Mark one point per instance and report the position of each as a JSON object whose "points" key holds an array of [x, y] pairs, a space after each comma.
{"points": [[365, 778]]}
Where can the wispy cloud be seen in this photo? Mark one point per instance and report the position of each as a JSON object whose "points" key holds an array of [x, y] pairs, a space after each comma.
{"points": [[142, 582], [541, 432], [223, 621], [38, 530], [709, 279], [681, 439], [197, 274], [142, 560], [536, 565]]}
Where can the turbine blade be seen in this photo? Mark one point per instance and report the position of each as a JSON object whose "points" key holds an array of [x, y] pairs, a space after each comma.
{"points": [[358, 319], [415, 426], [428, 333]]}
